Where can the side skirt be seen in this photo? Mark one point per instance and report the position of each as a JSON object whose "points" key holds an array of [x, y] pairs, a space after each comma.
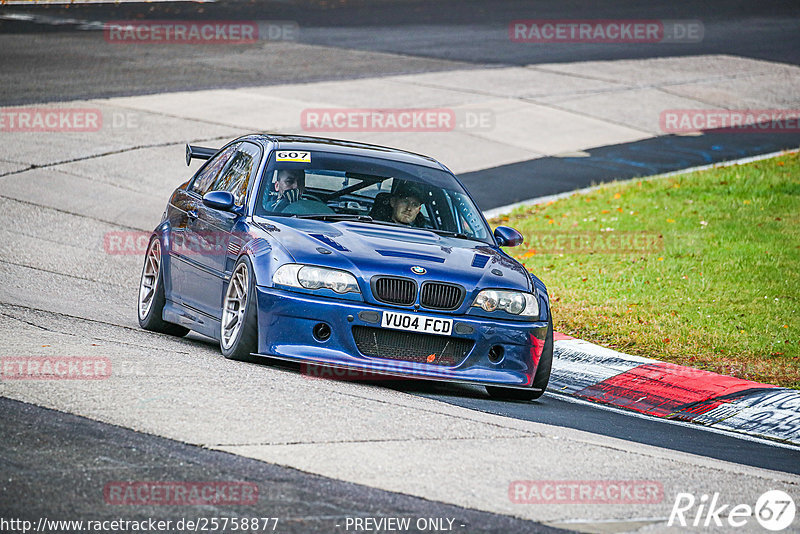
{"points": [[192, 319]]}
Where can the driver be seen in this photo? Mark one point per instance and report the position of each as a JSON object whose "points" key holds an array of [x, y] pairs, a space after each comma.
{"points": [[289, 187], [406, 203]]}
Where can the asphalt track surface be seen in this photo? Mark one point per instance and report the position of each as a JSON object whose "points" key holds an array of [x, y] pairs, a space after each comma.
{"points": [[560, 410], [361, 39], [58, 464], [49, 59], [501, 186]]}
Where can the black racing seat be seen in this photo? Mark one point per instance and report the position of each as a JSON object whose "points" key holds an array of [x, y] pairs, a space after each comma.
{"points": [[381, 209]]}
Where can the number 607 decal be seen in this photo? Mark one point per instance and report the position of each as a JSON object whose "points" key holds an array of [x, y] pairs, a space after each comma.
{"points": [[293, 155]]}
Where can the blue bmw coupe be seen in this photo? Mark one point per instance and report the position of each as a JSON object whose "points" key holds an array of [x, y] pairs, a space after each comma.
{"points": [[346, 255]]}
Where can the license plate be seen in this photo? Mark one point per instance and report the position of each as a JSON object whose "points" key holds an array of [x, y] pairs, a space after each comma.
{"points": [[417, 323]]}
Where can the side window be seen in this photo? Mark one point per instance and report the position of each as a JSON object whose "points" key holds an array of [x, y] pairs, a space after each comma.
{"points": [[469, 219], [202, 182], [236, 175]]}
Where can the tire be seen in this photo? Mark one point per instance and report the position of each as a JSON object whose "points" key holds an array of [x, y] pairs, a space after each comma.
{"points": [[151, 301], [540, 379], [238, 336]]}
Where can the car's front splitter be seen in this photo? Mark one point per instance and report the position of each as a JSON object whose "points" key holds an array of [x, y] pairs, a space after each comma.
{"points": [[287, 321]]}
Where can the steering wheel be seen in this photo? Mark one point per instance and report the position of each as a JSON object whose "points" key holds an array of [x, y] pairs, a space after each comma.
{"points": [[313, 197]]}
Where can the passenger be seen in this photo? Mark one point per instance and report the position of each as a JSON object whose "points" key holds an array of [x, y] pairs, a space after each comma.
{"points": [[289, 187]]}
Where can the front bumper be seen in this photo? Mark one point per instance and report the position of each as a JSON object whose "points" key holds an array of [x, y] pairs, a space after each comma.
{"points": [[286, 321]]}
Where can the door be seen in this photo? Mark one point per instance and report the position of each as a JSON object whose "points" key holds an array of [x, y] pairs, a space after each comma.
{"points": [[182, 213], [211, 232]]}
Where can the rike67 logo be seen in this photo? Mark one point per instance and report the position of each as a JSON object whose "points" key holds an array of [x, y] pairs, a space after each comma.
{"points": [[774, 510]]}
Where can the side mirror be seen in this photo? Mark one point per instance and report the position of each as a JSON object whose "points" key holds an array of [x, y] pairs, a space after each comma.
{"points": [[220, 200], [507, 236]]}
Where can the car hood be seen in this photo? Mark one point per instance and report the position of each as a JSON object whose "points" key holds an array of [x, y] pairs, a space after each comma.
{"points": [[368, 249]]}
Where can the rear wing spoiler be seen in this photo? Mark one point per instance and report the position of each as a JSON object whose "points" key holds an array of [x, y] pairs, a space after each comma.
{"points": [[198, 152]]}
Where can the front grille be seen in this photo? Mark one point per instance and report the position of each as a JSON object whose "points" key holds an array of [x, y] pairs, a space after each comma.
{"points": [[411, 346], [439, 296], [391, 290]]}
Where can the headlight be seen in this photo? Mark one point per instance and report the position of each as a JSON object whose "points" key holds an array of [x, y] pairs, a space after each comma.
{"points": [[513, 302], [310, 277]]}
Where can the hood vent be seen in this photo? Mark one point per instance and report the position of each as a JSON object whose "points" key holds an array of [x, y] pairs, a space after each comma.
{"points": [[330, 242], [480, 261]]}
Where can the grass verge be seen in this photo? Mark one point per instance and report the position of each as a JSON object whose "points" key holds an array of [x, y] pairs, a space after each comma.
{"points": [[701, 269]]}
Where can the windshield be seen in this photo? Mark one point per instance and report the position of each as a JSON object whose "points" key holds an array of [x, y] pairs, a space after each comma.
{"points": [[330, 186]]}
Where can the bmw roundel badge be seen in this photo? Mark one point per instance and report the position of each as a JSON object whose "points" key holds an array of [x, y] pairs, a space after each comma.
{"points": [[418, 270]]}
